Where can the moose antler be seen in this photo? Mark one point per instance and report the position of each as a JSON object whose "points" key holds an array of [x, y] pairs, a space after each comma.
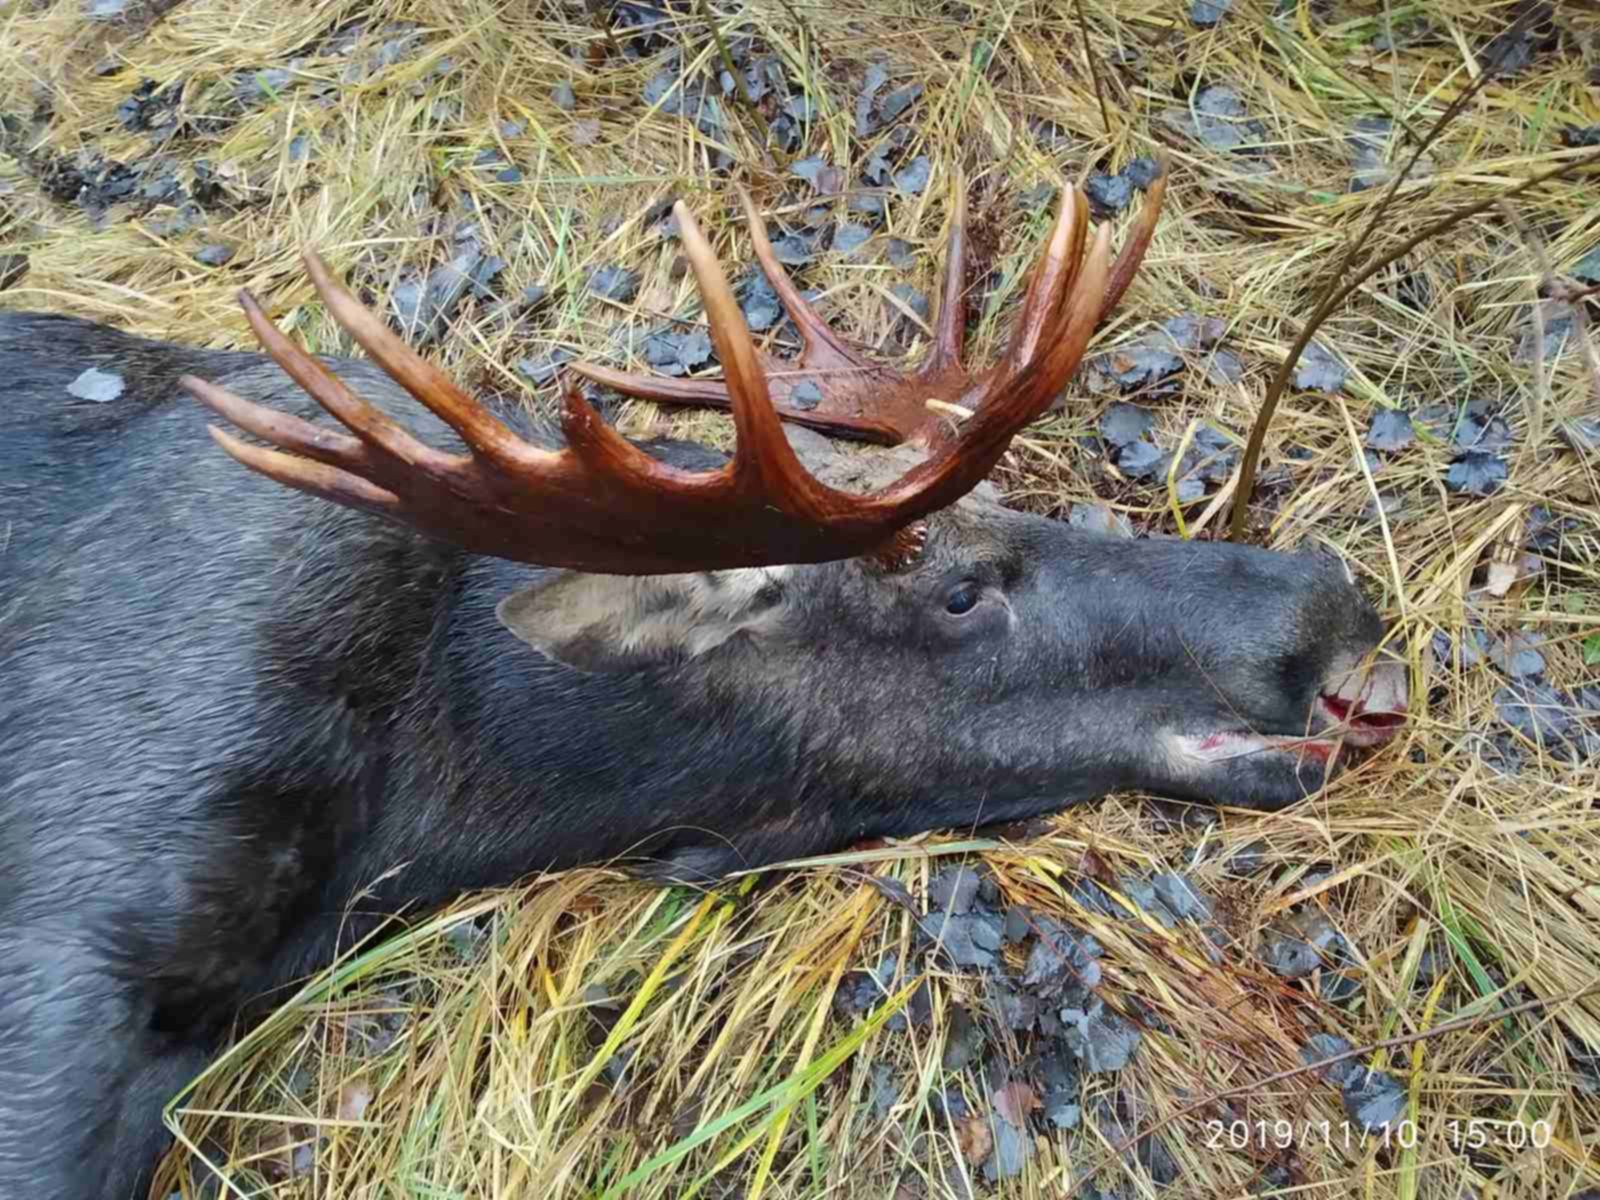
{"points": [[603, 504], [837, 389]]}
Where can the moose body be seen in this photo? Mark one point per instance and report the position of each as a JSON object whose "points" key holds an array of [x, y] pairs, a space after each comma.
{"points": [[228, 710]]}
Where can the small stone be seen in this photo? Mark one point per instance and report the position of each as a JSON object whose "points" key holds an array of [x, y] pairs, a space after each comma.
{"points": [[614, 283], [97, 386], [1011, 1150], [1536, 710], [897, 101], [1517, 654], [1062, 957], [1124, 424], [964, 1040], [849, 237], [1101, 1038], [819, 174], [1318, 370], [1039, 196], [1181, 897], [913, 299], [215, 255], [1097, 518], [1558, 328], [1472, 646], [1373, 1099], [1581, 433], [1016, 1009], [1144, 171], [1325, 1045], [1224, 367], [954, 889], [1390, 430], [1249, 860], [563, 97], [805, 395], [972, 940], [914, 176], [1141, 460], [543, 369], [1109, 193], [1205, 14], [1477, 473]]}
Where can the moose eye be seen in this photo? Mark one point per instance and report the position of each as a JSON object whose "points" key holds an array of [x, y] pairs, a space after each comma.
{"points": [[963, 597]]}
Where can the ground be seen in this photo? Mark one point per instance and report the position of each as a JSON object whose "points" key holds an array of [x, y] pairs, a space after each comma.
{"points": [[496, 176]]}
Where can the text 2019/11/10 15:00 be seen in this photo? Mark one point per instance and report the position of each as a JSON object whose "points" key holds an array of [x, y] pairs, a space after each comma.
{"points": [[1459, 1134]]}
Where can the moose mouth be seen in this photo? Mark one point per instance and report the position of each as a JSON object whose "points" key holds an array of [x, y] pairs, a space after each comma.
{"points": [[1356, 710]]}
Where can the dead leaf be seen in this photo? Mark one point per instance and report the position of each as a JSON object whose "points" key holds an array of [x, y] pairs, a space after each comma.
{"points": [[1014, 1102], [974, 1138], [354, 1097]]}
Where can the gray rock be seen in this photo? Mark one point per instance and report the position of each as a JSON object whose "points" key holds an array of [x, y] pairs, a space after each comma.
{"points": [[1535, 710], [953, 889], [1102, 1039], [97, 386], [1476, 473], [1124, 424], [972, 940], [614, 283], [1373, 1099], [217, 254], [1062, 957], [1318, 370], [1012, 1148], [914, 176], [850, 237], [1109, 193], [1390, 430], [1181, 897], [1517, 654]]}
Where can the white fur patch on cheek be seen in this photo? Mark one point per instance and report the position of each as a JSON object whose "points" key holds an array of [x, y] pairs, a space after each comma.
{"points": [[627, 619]]}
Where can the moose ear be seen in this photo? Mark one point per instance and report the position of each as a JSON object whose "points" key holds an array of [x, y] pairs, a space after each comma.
{"points": [[622, 622]]}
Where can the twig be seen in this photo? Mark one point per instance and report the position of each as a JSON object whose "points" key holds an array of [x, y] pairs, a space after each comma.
{"points": [[1257, 1085], [1337, 296], [1546, 280], [1094, 66], [1332, 295], [740, 82]]}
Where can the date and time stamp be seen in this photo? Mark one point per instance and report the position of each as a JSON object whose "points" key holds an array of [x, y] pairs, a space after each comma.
{"points": [[1459, 1135]]}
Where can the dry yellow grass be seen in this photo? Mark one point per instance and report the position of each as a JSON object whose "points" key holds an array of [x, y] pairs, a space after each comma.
{"points": [[743, 1080]]}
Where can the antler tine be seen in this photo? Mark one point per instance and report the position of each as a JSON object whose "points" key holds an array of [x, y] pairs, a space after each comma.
{"points": [[366, 422], [950, 324], [958, 464], [1138, 241], [429, 385], [304, 475], [813, 330], [763, 458], [281, 429], [1053, 279]]}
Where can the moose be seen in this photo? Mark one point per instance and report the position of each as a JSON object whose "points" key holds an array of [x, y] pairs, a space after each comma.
{"points": [[240, 724]]}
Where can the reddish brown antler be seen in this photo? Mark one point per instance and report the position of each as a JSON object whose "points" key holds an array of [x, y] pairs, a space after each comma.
{"points": [[837, 389], [601, 503]]}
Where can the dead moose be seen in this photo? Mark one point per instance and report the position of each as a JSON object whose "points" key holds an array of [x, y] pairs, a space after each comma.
{"points": [[228, 709]]}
